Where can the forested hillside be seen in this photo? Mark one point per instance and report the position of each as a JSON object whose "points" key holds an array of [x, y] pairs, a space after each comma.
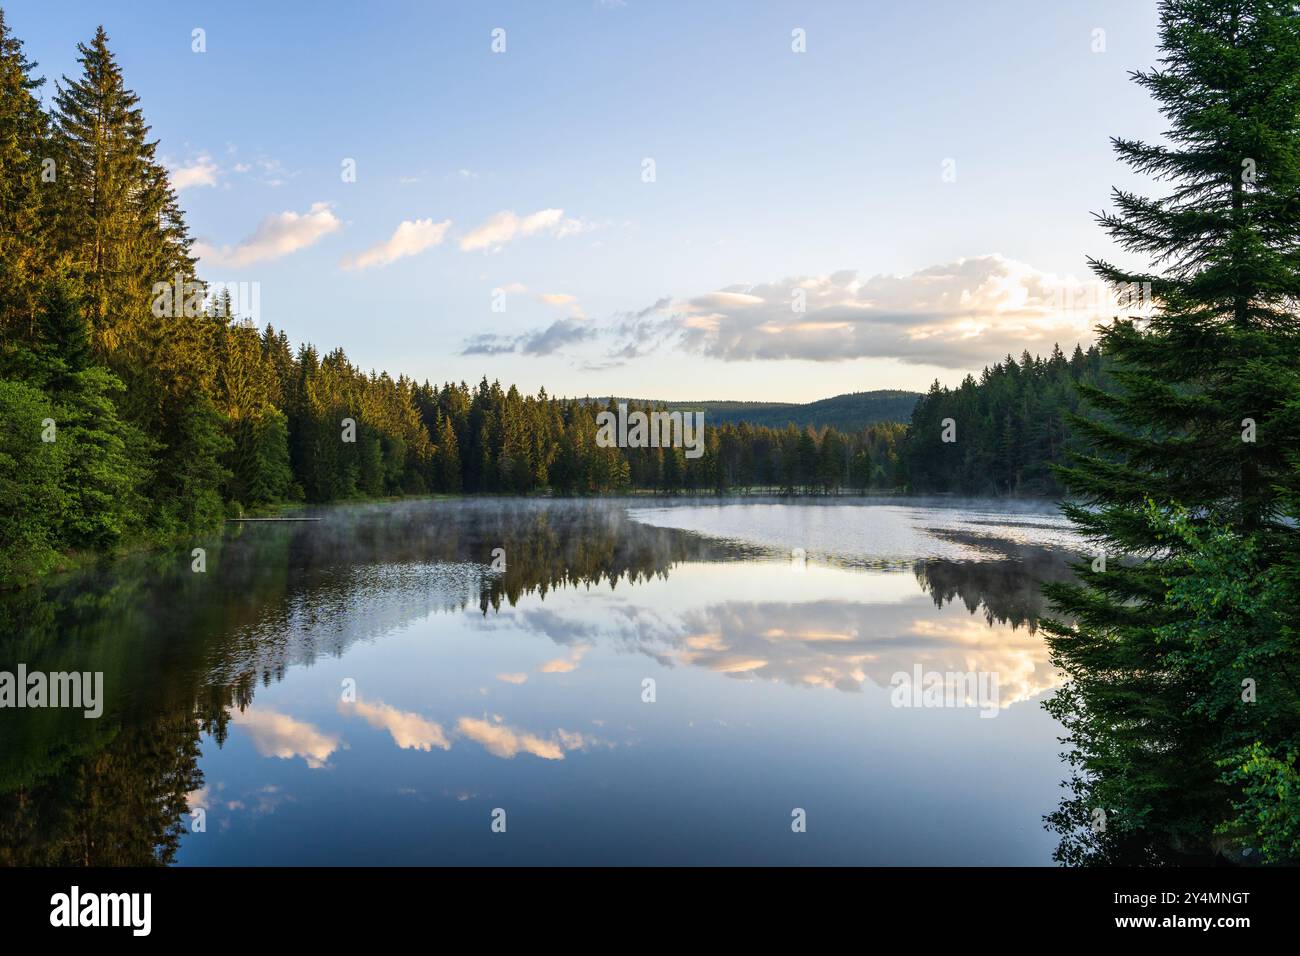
{"points": [[490, 439], [1007, 429], [851, 412]]}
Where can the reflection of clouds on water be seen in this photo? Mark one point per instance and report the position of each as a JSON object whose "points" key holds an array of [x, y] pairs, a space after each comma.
{"points": [[502, 740], [403, 593], [413, 731], [563, 665], [259, 802], [831, 628], [1017, 656], [266, 800], [843, 645], [409, 730], [344, 604], [279, 735], [641, 628]]}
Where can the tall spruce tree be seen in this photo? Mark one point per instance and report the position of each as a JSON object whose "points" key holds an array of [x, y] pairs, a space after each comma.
{"points": [[121, 232], [106, 461], [24, 219], [1191, 444], [118, 218]]}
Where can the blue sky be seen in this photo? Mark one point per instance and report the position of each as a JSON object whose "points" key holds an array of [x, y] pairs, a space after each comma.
{"points": [[519, 176]]}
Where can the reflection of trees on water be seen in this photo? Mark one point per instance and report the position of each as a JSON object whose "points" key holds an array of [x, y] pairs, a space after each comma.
{"points": [[590, 546], [119, 806], [1005, 585], [181, 652]]}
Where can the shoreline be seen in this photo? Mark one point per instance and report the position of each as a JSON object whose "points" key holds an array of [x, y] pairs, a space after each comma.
{"points": [[288, 512]]}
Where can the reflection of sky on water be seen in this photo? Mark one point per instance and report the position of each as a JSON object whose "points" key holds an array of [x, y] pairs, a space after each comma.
{"points": [[870, 532], [772, 692], [811, 626]]}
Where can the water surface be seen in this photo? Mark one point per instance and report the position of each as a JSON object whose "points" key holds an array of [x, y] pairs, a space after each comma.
{"points": [[369, 689]]}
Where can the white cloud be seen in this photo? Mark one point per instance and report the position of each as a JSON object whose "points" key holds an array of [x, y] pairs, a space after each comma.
{"points": [[279, 735], [501, 740], [563, 665], [275, 236], [202, 172], [409, 730], [411, 237], [957, 315], [559, 666], [266, 170], [506, 226]]}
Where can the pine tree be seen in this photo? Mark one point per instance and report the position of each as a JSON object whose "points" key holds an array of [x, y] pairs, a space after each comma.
{"points": [[106, 461], [120, 234], [24, 213], [1172, 437], [447, 478], [190, 489], [118, 218], [272, 477]]}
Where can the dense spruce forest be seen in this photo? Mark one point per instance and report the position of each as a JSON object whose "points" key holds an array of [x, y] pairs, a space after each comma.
{"points": [[492, 440], [846, 413], [1010, 427]]}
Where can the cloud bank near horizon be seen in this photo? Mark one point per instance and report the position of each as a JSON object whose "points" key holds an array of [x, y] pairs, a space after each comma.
{"points": [[955, 315]]}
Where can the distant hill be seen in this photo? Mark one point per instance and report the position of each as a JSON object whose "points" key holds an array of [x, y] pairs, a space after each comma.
{"points": [[846, 412]]}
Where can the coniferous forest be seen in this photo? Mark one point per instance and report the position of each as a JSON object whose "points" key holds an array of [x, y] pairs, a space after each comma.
{"points": [[1010, 428]]}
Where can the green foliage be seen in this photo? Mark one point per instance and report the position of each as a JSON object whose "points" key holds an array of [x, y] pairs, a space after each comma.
{"points": [[499, 441], [1236, 637], [31, 494], [1196, 514], [165, 411], [1010, 426], [105, 467], [192, 474], [271, 478], [24, 212], [1268, 812]]}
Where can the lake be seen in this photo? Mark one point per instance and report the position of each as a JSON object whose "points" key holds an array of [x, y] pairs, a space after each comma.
{"points": [[535, 681]]}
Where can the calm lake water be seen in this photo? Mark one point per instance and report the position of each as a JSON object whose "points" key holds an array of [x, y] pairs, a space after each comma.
{"points": [[369, 689]]}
